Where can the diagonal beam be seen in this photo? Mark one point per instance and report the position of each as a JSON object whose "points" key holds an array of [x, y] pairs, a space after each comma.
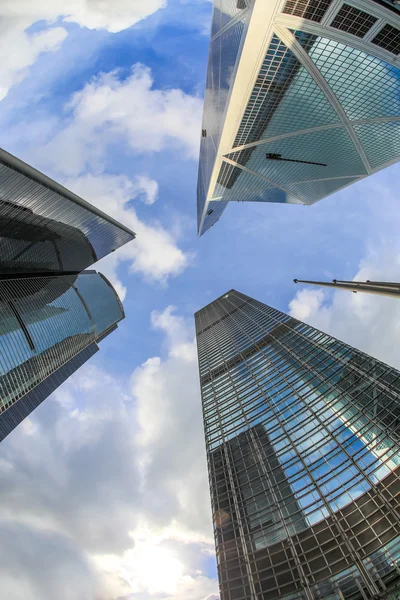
{"points": [[290, 41], [297, 132], [270, 181]]}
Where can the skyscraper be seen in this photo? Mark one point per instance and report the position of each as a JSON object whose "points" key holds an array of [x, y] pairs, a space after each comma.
{"points": [[303, 447], [302, 99], [46, 228], [53, 313]]}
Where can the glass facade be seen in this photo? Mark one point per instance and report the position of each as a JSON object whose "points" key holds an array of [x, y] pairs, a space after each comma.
{"points": [[46, 228], [227, 37], [52, 312], [45, 322], [17, 412], [303, 446], [321, 114]]}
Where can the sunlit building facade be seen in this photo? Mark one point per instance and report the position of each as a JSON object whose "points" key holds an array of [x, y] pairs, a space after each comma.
{"points": [[53, 312], [303, 446], [302, 99]]}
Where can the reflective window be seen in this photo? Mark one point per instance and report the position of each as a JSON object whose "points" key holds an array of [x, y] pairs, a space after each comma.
{"points": [[45, 322], [303, 443], [42, 230]]}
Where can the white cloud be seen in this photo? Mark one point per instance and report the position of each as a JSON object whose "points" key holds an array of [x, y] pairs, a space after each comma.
{"points": [[105, 113], [58, 571], [147, 189], [108, 483], [113, 16], [25, 51], [370, 323], [20, 48], [154, 253], [305, 303], [171, 435], [94, 14], [109, 111]]}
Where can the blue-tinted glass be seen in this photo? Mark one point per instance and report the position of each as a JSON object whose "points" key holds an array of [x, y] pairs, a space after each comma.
{"points": [[381, 141], [319, 155], [281, 87], [366, 86], [222, 60], [101, 299], [303, 441], [45, 322]]}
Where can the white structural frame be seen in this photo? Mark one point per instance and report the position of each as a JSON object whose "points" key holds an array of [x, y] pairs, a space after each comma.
{"points": [[257, 39]]}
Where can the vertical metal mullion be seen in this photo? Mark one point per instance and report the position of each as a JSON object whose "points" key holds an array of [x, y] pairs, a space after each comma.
{"points": [[353, 553], [303, 577]]}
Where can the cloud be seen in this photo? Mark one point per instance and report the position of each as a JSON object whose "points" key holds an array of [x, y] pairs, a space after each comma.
{"points": [[104, 114], [108, 479], [147, 189], [94, 14], [60, 473], [65, 574], [370, 323], [21, 48], [154, 253], [108, 111], [113, 16], [171, 434], [25, 50], [306, 303]]}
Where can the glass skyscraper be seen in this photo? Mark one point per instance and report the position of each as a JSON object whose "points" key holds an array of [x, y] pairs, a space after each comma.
{"points": [[46, 228], [53, 312], [302, 99], [303, 447]]}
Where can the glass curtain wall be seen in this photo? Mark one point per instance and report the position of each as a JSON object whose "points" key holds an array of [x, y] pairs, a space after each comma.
{"points": [[47, 321], [302, 435]]}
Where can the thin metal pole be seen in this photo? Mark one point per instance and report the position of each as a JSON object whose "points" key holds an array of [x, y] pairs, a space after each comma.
{"points": [[381, 288]]}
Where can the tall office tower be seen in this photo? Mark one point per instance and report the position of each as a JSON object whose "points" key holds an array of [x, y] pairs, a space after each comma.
{"points": [[303, 447], [302, 99], [49, 327], [52, 313]]}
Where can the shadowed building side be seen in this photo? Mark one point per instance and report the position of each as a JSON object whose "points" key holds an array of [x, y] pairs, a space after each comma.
{"points": [[46, 228]]}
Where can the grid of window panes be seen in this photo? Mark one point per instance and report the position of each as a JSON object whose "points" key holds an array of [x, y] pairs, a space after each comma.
{"points": [[42, 230], [11, 416], [353, 20], [367, 87], [307, 9], [45, 322], [318, 163], [388, 38], [302, 436]]}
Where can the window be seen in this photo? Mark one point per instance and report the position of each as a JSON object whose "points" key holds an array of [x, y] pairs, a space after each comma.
{"points": [[308, 9], [352, 20], [388, 38]]}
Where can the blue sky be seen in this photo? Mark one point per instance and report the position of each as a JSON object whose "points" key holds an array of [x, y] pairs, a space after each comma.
{"points": [[104, 489]]}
